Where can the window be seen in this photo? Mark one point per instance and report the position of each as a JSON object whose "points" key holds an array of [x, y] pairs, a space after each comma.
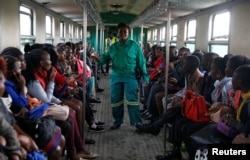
{"points": [[70, 31], [26, 21], [26, 27], [174, 32], [62, 32], [80, 34], [191, 30], [76, 33], [154, 36], [190, 35], [173, 44], [62, 29], [162, 36], [190, 46], [162, 33], [49, 27], [149, 36], [220, 26], [219, 33]]}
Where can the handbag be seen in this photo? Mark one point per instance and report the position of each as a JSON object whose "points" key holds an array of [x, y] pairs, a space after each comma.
{"points": [[194, 107], [218, 110], [40, 129], [226, 130], [208, 135], [60, 112]]}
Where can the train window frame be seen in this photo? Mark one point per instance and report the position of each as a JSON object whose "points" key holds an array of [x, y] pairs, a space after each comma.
{"points": [[154, 36], [76, 33], [190, 40], [189, 28], [162, 33], [71, 28], [174, 32], [214, 37], [149, 36], [62, 31], [28, 12], [49, 22], [190, 45], [219, 43]]}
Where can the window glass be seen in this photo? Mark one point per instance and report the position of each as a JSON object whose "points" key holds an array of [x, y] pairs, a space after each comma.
{"points": [[220, 30], [191, 30], [174, 33], [173, 44], [25, 10], [191, 46], [154, 34], [162, 33], [149, 36], [26, 20], [62, 30], [77, 33], [49, 26], [81, 33], [70, 30], [220, 49]]}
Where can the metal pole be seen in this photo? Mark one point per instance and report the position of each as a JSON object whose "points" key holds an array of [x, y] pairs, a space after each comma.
{"points": [[131, 34], [96, 46], [84, 43], [142, 36], [167, 40]]}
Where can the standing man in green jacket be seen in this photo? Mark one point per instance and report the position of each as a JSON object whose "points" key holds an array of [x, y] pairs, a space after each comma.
{"points": [[126, 55]]}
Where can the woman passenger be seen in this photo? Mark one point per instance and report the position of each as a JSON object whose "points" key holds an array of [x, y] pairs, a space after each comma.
{"points": [[41, 86], [15, 86]]}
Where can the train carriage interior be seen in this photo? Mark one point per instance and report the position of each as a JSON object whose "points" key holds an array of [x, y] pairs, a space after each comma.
{"points": [[215, 29]]}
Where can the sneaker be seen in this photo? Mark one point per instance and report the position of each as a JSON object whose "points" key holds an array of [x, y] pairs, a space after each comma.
{"points": [[147, 128], [96, 129], [99, 123]]}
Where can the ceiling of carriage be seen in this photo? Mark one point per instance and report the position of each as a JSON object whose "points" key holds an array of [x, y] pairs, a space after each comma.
{"points": [[111, 12]]}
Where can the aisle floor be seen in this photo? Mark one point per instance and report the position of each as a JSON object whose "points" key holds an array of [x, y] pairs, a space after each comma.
{"points": [[123, 143]]}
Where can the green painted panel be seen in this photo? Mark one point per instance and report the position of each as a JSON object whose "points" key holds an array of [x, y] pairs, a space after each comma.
{"points": [[110, 18]]}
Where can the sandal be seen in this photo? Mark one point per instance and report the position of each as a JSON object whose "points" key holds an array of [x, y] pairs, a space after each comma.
{"points": [[88, 156], [77, 157]]}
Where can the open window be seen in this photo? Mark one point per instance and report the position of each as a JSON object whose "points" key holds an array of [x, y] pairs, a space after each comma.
{"points": [[26, 26], [49, 29], [162, 36], [190, 34], [219, 33], [174, 31], [62, 31]]}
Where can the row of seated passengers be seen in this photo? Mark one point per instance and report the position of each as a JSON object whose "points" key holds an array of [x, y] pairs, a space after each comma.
{"points": [[218, 80], [36, 75]]}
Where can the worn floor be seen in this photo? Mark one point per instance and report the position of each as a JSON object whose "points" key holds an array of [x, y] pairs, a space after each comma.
{"points": [[123, 143]]}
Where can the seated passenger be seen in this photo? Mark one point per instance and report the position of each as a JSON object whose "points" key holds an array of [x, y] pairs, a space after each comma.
{"points": [[41, 86], [73, 97], [15, 87], [8, 136]]}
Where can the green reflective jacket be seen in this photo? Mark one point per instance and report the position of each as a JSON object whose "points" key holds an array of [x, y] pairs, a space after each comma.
{"points": [[125, 58]]}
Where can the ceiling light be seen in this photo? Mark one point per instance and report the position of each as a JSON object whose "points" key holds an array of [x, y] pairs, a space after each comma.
{"points": [[114, 5]]}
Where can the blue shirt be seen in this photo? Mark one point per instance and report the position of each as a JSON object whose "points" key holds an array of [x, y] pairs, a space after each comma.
{"points": [[18, 100]]}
